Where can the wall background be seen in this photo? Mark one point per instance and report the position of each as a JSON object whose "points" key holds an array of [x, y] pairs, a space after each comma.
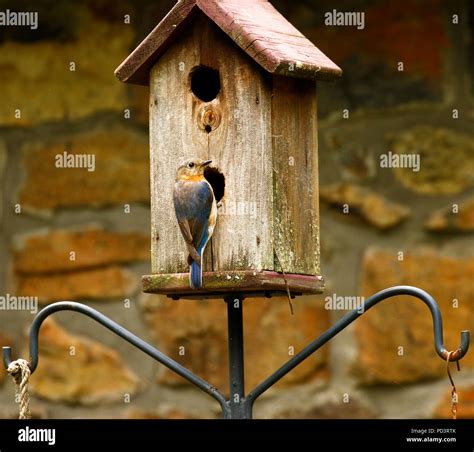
{"points": [[84, 236]]}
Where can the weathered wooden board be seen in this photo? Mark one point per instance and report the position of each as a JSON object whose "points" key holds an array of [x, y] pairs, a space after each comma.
{"points": [[217, 284], [295, 183], [173, 136], [241, 146]]}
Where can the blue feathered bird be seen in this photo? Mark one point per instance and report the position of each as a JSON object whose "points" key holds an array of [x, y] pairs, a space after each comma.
{"points": [[196, 212]]}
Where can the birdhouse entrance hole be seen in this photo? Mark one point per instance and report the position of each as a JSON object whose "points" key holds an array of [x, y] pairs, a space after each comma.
{"points": [[205, 83], [217, 180]]}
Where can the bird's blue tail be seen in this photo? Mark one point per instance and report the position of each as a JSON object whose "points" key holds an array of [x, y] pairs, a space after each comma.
{"points": [[195, 275]]}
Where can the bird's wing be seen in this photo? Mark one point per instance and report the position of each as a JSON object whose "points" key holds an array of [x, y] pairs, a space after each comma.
{"points": [[193, 204], [199, 221], [184, 227], [188, 238]]}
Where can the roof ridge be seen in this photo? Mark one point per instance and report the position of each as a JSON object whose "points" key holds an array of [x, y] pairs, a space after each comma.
{"points": [[254, 25]]}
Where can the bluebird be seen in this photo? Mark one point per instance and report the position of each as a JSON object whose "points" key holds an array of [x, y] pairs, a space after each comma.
{"points": [[196, 212]]}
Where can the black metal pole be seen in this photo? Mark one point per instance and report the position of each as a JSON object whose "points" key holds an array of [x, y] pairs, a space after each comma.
{"points": [[237, 405]]}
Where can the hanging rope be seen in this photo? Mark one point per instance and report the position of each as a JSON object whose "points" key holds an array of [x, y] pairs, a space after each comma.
{"points": [[20, 371], [454, 395]]}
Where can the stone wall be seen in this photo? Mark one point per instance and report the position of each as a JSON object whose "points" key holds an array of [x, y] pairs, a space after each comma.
{"points": [[75, 234]]}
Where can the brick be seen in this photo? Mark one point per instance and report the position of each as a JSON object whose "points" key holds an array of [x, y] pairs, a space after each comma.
{"points": [[369, 57], [331, 409], [95, 284], [165, 412], [449, 219], [121, 173], [269, 329], [93, 374], [92, 246], [405, 321], [363, 203], [41, 84], [465, 407], [446, 160]]}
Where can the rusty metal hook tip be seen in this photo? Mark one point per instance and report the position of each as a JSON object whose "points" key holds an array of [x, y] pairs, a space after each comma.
{"points": [[459, 353]]}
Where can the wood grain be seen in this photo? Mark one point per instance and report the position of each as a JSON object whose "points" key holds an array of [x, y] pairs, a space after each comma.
{"points": [[241, 147], [218, 284], [295, 184], [265, 143], [174, 136]]}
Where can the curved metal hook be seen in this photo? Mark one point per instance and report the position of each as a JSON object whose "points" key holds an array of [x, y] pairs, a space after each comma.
{"points": [[117, 329], [456, 355], [342, 323]]}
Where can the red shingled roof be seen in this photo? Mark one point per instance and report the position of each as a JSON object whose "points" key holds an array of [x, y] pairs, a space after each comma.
{"points": [[254, 25]]}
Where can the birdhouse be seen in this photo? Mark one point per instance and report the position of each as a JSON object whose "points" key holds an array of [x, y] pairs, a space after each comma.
{"points": [[234, 82]]}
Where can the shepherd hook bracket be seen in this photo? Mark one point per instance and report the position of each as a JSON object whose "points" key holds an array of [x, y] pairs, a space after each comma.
{"points": [[239, 405]]}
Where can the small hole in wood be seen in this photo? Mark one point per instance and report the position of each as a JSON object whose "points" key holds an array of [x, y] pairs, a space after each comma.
{"points": [[217, 180], [205, 83], [208, 128]]}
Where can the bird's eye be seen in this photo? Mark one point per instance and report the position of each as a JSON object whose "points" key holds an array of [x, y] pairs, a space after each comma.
{"points": [[190, 165]]}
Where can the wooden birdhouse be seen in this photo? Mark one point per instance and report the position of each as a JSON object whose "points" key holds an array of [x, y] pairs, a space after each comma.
{"points": [[235, 82]]}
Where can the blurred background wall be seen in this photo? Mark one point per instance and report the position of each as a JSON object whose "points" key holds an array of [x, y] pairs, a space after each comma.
{"points": [[74, 234]]}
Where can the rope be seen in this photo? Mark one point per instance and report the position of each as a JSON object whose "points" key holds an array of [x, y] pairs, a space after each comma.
{"points": [[20, 371], [454, 395]]}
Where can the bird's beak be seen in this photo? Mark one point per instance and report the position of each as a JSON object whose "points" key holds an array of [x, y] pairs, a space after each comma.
{"points": [[206, 163]]}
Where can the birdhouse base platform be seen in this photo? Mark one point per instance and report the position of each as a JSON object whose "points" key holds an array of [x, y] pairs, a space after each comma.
{"points": [[220, 284]]}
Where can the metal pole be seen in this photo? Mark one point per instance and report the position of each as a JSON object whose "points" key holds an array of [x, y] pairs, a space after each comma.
{"points": [[355, 314], [237, 405], [120, 331]]}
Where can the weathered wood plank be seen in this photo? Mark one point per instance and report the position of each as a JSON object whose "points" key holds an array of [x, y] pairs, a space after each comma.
{"points": [[174, 135], [216, 284], [241, 146], [265, 144], [295, 185]]}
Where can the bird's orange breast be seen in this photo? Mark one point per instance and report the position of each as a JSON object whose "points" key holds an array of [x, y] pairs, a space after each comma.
{"points": [[195, 178]]}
